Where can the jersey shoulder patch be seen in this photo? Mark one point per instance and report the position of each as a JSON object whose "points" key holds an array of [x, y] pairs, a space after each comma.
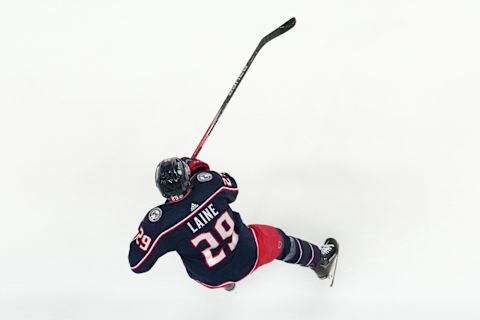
{"points": [[155, 214], [204, 177]]}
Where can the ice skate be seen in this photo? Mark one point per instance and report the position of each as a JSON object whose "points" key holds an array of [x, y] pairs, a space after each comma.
{"points": [[326, 268]]}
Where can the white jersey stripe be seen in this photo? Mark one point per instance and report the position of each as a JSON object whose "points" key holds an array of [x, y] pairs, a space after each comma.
{"points": [[313, 254], [300, 247], [180, 223]]}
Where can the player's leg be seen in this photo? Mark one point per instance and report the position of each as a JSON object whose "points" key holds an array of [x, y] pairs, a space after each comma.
{"points": [[319, 259], [269, 243], [273, 244], [298, 251]]}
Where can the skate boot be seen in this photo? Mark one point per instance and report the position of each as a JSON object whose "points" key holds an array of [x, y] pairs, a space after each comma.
{"points": [[328, 263]]}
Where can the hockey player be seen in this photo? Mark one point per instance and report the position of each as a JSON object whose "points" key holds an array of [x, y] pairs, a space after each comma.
{"points": [[217, 248]]}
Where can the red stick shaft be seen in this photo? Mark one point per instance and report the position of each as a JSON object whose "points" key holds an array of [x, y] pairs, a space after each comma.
{"points": [[272, 35]]}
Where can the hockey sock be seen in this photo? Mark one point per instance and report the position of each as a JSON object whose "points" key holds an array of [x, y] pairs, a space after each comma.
{"points": [[299, 251]]}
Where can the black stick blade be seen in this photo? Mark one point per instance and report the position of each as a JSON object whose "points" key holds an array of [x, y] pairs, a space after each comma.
{"points": [[279, 31], [272, 35], [288, 25]]}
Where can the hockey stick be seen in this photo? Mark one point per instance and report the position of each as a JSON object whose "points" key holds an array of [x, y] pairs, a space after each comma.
{"points": [[272, 35]]}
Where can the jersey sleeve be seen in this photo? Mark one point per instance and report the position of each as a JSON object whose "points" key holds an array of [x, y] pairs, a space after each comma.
{"points": [[148, 245], [230, 191]]}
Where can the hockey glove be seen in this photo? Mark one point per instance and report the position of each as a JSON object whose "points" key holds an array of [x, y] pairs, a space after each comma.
{"points": [[196, 165]]}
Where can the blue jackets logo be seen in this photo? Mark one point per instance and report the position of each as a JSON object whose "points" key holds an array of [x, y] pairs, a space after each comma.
{"points": [[155, 214], [204, 176]]}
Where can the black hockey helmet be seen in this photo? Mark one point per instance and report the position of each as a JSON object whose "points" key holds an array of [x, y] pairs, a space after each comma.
{"points": [[172, 177]]}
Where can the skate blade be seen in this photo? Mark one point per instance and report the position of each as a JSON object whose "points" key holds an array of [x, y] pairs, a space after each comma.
{"points": [[333, 271]]}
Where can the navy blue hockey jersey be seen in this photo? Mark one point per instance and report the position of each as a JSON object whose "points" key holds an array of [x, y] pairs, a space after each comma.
{"points": [[215, 245]]}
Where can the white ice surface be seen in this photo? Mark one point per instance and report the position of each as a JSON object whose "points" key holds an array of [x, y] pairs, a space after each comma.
{"points": [[360, 123]]}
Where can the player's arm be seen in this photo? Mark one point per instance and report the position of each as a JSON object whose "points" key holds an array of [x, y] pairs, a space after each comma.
{"points": [[147, 246], [196, 165], [230, 191], [136, 255]]}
